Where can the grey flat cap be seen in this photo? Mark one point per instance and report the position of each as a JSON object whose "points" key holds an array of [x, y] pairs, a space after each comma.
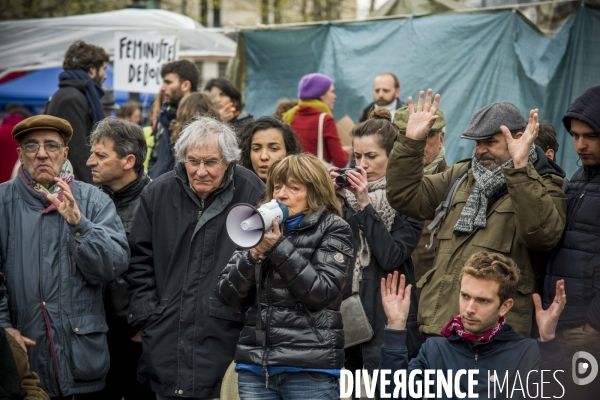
{"points": [[486, 122]]}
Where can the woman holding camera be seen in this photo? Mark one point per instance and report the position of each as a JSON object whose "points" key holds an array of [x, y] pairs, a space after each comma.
{"points": [[290, 288], [383, 238]]}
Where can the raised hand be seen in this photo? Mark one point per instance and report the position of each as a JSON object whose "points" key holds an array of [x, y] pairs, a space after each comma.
{"points": [[68, 207], [519, 146], [396, 300], [548, 319], [420, 122]]}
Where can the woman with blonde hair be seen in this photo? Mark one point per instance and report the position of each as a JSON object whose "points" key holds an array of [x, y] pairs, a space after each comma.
{"points": [[290, 288]]}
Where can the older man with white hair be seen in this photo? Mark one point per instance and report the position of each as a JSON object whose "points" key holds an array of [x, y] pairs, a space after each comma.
{"points": [[179, 246]]}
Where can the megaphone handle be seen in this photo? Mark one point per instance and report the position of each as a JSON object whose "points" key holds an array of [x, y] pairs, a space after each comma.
{"points": [[261, 337]]}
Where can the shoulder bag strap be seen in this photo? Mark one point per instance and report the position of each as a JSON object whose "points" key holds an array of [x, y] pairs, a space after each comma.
{"points": [[320, 137]]}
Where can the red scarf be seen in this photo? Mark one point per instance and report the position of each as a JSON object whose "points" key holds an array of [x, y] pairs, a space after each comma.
{"points": [[456, 325]]}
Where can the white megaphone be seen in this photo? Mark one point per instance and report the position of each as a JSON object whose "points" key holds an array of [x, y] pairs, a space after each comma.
{"points": [[246, 225]]}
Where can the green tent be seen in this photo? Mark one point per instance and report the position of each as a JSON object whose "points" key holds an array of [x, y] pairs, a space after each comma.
{"points": [[471, 58], [417, 7]]}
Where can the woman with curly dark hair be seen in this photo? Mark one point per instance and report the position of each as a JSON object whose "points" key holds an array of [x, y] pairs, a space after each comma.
{"points": [[265, 141]]}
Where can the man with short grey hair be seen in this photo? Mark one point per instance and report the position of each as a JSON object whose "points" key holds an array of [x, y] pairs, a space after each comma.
{"points": [[179, 247], [507, 199], [118, 150]]}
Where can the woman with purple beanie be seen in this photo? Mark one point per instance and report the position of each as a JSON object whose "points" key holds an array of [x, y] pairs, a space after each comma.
{"points": [[316, 95]]}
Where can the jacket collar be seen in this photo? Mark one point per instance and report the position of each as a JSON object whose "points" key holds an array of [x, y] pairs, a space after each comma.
{"points": [[591, 172], [129, 192], [310, 220], [441, 166]]}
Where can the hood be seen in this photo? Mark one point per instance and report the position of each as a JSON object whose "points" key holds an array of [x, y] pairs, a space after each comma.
{"points": [[78, 84], [585, 108], [545, 166]]}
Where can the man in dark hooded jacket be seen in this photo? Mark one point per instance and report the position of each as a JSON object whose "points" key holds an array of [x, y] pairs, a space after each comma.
{"points": [[576, 258], [78, 100]]}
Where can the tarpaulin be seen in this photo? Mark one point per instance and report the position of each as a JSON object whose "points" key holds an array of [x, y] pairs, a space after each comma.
{"points": [[472, 59]]}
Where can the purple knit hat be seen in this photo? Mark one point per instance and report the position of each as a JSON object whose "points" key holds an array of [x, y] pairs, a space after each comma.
{"points": [[313, 86]]}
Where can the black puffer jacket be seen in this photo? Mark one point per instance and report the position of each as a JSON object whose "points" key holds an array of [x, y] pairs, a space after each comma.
{"points": [[576, 258], [301, 284]]}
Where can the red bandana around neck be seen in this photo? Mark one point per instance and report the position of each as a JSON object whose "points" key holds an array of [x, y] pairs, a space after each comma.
{"points": [[456, 325]]}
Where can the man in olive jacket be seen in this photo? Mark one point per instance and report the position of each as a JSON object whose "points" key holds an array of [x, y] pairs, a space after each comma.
{"points": [[511, 202]]}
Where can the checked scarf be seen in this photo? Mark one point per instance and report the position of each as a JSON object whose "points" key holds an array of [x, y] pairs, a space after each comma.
{"points": [[487, 184]]}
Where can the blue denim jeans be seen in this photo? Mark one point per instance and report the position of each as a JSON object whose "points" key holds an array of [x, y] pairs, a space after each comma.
{"points": [[288, 386]]}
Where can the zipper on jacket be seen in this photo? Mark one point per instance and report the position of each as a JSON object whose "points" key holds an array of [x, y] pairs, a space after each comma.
{"points": [[476, 355], [201, 210], [577, 205], [265, 359]]}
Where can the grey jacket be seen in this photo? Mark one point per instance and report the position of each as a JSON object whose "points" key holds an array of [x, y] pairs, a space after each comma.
{"points": [[54, 274]]}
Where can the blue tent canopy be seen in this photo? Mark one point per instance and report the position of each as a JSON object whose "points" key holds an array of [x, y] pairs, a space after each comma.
{"points": [[35, 88]]}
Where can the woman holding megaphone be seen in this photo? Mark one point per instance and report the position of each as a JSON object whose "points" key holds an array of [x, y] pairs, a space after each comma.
{"points": [[290, 288], [383, 239]]}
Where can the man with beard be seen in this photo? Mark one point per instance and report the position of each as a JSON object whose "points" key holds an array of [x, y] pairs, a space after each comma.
{"points": [[386, 94], [510, 201], [576, 259], [179, 78], [78, 100]]}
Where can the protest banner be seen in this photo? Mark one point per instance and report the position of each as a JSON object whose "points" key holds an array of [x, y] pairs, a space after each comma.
{"points": [[139, 57]]}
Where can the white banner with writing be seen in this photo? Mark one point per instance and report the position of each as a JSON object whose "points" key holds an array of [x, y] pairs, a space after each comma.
{"points": [[139, 57]]}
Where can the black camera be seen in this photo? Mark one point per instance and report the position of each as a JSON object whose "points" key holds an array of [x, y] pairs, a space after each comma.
{"points": [[342, 179]]}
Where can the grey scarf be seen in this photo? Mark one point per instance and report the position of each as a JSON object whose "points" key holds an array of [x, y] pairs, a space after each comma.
{"points": [[487, 184], [378, 199]]}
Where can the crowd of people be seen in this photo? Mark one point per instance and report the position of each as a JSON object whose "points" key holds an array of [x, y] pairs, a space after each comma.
{"points": [[118, 279]]}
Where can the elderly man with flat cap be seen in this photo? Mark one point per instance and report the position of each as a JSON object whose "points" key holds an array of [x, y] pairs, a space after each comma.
{"points": [[507, 199], [60, 239]]}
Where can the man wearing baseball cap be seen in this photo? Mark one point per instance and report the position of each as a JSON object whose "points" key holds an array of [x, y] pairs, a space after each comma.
{"points": [[60, 239], [576, 258], [510, 201]]}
